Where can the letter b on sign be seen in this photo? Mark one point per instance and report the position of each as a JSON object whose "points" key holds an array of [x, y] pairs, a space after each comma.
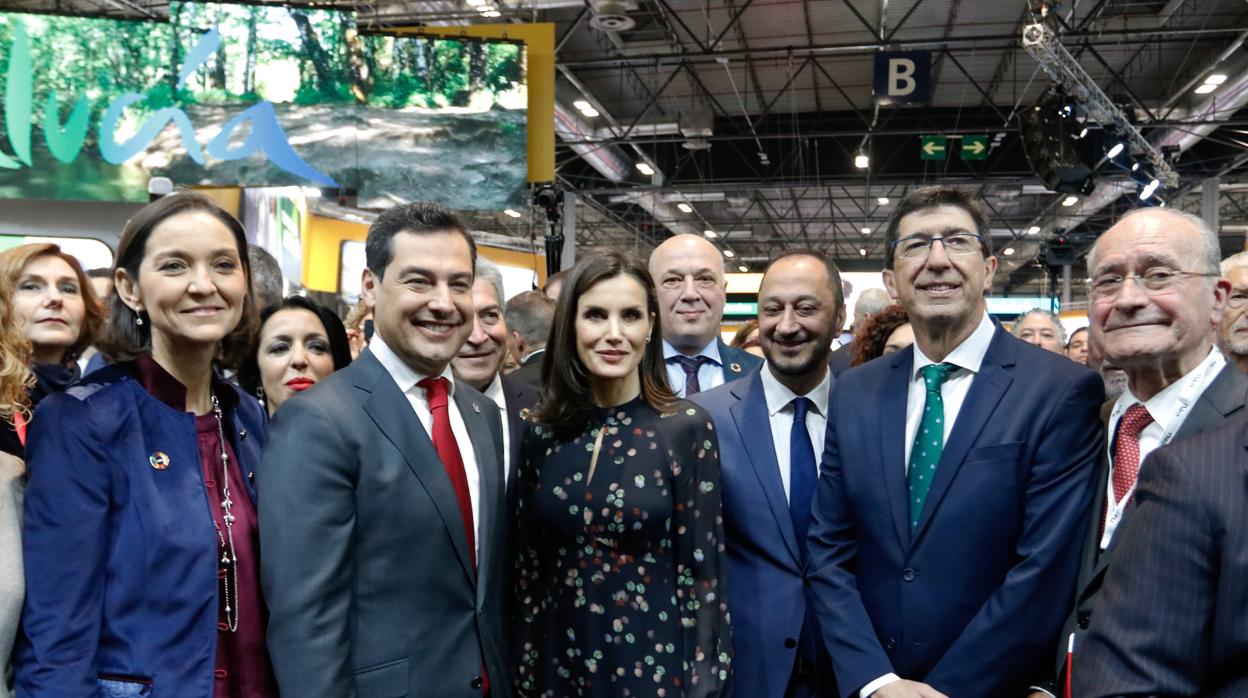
{"points": [[903, 77]]}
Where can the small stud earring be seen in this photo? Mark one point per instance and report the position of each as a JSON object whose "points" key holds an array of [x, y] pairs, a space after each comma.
{"points": [[138, 320]]}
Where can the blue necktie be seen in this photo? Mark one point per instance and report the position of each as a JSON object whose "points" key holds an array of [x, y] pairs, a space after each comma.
{"points": [[691, 365], [803, 472]]}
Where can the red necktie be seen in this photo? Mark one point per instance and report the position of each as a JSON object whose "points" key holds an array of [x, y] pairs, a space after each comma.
{"points": [[1127, 449], [448, 450]]}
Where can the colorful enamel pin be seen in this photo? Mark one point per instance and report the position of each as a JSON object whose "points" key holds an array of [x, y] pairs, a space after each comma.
{"points": [[736, 367], [159, 460]]}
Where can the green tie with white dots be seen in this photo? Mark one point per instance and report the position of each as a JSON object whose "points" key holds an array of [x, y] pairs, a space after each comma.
{"points": [[929, 440]]}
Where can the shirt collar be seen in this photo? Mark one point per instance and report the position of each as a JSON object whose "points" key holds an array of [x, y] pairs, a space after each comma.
{"points": [[710, 351], [161, 385], [968, 355], [405, 376], [779, 395], [535, 352], [494, 391], [1164, 406]]}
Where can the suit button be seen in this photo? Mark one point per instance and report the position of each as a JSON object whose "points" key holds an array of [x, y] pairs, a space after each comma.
{"points": [[475, 683], [890, 645], [1084, 619], [907, 575], [790, 643], [805, 581]]}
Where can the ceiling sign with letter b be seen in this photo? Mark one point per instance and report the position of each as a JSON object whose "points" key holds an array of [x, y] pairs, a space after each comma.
{"points": [[903, 77]]}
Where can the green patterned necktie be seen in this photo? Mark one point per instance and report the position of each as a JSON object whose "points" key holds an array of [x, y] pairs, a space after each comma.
{"points": [[929, 440]]}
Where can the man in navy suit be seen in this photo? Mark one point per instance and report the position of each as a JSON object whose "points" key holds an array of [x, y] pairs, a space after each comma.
{"points": [[954, 481], [688, 273], [771, 424]]}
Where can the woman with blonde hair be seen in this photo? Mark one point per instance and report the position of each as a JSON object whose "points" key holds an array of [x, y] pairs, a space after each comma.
{"points": [[14, 377]]}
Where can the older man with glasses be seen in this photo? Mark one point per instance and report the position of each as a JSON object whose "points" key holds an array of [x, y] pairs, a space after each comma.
{"points": [[1233, 330], [947, 501], [1154, 298]]}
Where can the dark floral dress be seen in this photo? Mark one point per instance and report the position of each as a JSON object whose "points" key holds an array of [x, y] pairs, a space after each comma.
{"points": [[619, 581]]}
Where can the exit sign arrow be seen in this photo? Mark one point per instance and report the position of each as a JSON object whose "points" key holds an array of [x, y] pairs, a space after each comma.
{"points": [[974, 147], [933, 147]]}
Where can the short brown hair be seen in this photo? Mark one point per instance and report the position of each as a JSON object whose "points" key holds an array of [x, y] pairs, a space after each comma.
{"points": [[931, 197], [123, 339], [13, 262], [566, 399]]}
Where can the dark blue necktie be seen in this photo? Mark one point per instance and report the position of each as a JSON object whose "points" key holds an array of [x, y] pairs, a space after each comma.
{"points": [[803, 472], [690, 365]]}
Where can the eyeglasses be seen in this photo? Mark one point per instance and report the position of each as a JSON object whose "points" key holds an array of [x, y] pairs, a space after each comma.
{"points": [[919, 246], [1108, 286], [1236, 300]]}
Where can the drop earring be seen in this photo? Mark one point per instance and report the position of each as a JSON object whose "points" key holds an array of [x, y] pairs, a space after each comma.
{"points": [[138, 320]]}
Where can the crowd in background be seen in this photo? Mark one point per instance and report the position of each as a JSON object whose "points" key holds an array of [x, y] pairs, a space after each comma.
{"points": [[207, 489]]}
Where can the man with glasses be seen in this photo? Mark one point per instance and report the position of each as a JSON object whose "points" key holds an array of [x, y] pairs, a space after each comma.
{"points": [[1233, 330], [688, 274], [946, 506], [1154, 299]]}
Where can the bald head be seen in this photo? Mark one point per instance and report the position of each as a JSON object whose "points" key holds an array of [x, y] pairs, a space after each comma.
{"points": [[689, 273]]}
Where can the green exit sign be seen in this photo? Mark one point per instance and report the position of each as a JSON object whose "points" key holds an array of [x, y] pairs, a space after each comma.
{"points": [[740, 309], [933, 147], [974, 147]]}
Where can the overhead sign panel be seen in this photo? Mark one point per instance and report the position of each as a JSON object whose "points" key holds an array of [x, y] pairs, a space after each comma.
{"points": [[974, 147], [933, 147], [903, 77]]}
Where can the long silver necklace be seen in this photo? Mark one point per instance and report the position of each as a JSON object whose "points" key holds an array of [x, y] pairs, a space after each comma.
{"points": [[229, 583]]}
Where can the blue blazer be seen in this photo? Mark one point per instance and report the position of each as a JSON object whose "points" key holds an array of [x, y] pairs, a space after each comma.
{"points": [[972, 602], [767, 597], [122, 558], [736, 362]]}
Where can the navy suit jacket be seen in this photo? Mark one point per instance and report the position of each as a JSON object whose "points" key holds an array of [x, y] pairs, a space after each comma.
{"points": [[971, 602], [736, 362], [1172, 618], [767, 596], [138, 604]]}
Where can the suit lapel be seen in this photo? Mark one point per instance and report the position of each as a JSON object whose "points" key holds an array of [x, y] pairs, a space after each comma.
{"points": [[732, 366], [389, 409], [893, 441], [1093, 562], [1225, 395], [754, 429], [987, 388], [489, 472]]}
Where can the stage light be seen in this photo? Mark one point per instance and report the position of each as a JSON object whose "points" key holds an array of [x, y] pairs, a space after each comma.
{"points": [[645, 169], [685, 207], [862, 161], [1070, 201], [1149, 189], [1116, 150]]}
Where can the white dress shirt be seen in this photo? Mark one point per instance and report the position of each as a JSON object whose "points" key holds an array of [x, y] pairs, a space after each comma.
{"points": [[710, 373], [1169, 409], [968, 357], [406, 377], [494, 391], [780, 411]]}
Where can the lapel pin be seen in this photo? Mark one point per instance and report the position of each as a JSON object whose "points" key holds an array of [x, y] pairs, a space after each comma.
{"points": [[159, 460], [476, 408], [242, 434], [736, 367]]}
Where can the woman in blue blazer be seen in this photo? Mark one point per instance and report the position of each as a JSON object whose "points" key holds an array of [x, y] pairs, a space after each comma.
{"points": [[140, 541]]}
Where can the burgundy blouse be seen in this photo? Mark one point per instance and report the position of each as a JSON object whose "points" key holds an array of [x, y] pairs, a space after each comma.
{"points": [[243, 669]]}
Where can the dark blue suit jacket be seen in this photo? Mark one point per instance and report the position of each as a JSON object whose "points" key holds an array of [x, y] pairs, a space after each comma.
{"points": [[972, 601], [766, 593], [736, 362], [121, 558]]}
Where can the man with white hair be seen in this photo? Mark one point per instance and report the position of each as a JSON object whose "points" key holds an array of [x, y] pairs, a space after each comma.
{"points": [[1154, 299], [870, 302], [1042, 328], [1233, 330]]}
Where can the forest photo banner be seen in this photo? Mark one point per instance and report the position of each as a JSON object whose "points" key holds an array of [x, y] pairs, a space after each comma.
{"points": [[239, 95]]}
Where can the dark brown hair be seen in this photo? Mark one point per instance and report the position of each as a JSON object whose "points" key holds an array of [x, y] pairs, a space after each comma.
{"points": [[834, 274], [123, 340], [739, 339], [567, 399], [871, 338], [416, 218], [339, 346], [931, 197], [14, 260]]}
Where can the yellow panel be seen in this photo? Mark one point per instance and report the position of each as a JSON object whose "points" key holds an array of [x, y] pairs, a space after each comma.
{"points": [[539, 42], [228, 198]]}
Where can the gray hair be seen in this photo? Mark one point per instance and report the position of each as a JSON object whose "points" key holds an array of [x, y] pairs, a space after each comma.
{"points": [[489, 271], [530, 315], [872, 301], [1235, 261], [1051, 316], [1211, 251], [266, 277]]}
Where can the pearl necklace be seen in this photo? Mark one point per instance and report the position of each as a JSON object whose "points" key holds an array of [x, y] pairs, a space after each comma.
{"points": [[227, 539]]}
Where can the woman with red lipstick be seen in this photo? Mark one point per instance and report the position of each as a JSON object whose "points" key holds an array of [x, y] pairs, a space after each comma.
{"points": [[140, 520], [56, 310], [618, 587], [300, 343]]}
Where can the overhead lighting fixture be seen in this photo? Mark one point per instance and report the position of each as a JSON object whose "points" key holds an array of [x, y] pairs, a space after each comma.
{"points": [[1070, 201], [1084, 132], [710, 234], [866, 230], [685, 207], [1008, 251], [1135, 166], [476, 3], [581, 105], [512, 213], [1149, 189], [729, 254], [590, 113], [861, 161], [645, 169], [1116, 150], [1215, 79], [883, 201], [862, 251], [492, 14], [742, 268], [1033, 230], [1205, 89]]}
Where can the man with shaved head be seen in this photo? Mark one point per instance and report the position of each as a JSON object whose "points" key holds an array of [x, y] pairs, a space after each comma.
{"points": [[688, 274]]}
